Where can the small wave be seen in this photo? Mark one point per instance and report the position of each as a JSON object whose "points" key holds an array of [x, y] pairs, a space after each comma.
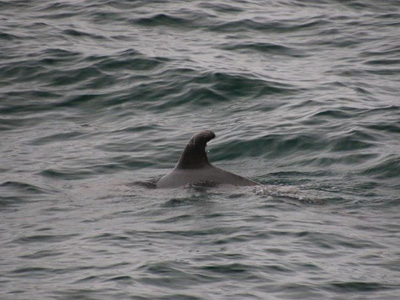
{"points": [[75, 33], [44, 238], [267, 26], [14, 123], [270, 146], [386, 127], [22, 186], [66, 174], [124, 278], [15, 193], [353, 140], [383, 62], [8, 37], [182, 86], [57, 137], [358, 287], [163, 19], [267, 48], [389, 167], [221, 7], [335, 113], [130, 61]]}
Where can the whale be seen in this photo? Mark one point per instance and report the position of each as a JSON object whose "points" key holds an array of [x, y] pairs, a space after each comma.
{"points": [[193, 167]]}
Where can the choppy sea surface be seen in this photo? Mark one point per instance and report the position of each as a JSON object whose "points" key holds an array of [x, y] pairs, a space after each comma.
{"points": [[99, 98]]}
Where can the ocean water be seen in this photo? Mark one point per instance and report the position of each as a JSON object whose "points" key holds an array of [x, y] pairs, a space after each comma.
{"points": [[99, 98]]}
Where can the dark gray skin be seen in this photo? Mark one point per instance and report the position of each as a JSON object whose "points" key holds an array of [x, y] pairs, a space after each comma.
{"points": [[193, 167]]}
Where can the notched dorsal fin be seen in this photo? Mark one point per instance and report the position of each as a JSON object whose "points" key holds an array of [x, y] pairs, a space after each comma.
{"points": [[194, 156]]}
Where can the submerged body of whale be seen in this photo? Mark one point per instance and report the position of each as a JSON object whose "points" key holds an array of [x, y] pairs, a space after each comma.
{"points": [[193, 167]]}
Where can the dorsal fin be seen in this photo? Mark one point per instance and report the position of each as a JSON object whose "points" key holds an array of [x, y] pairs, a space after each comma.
{"points": [[194, 156]]}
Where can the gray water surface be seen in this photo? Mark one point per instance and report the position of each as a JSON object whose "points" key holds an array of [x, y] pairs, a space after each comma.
{"points": [[99, 98]]}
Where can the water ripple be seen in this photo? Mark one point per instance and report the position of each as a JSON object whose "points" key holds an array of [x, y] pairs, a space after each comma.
{"points": [[99, 98]]}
